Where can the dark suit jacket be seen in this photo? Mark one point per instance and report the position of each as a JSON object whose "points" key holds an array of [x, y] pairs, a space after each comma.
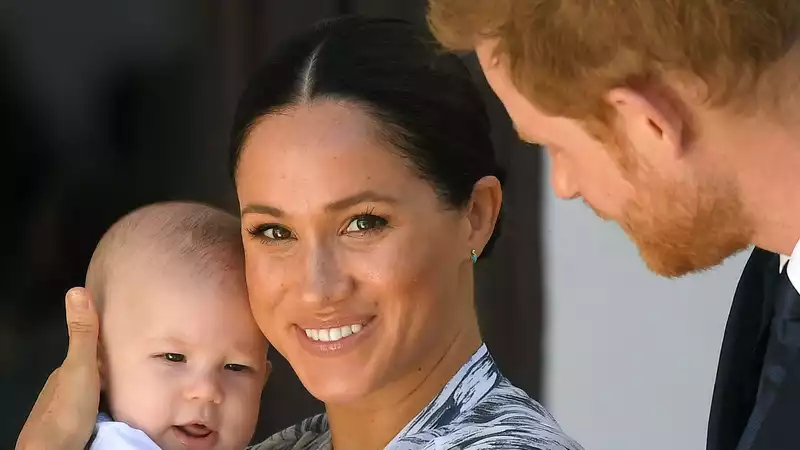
{"points": [[740, 363]]}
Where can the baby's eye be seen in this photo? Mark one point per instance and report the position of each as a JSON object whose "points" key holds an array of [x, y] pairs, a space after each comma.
{"points": [[236, 367], [174, 357]]}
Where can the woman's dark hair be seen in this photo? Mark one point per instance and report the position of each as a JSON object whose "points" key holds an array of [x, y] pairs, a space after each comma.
{"points": [[422, 99]]}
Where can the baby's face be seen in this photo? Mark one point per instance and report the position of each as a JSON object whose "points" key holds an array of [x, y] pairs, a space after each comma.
{"points": [[183, 360]]}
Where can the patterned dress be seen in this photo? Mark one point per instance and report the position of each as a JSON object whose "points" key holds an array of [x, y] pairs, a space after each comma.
{"points": [[477, 409]]}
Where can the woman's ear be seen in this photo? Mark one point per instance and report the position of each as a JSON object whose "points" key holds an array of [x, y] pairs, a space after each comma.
{"points": [[483, 211], [267, 372]]}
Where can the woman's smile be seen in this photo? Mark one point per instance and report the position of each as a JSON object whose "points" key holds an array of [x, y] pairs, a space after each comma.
{"points": [[337, 338], [332, 330]]}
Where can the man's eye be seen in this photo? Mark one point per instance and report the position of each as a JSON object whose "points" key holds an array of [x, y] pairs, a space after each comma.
{"points": [[236, 367], [365, 222], [174, 357]]}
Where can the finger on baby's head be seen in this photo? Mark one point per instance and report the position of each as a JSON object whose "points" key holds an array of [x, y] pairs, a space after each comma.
{"points": [[82, 326]]}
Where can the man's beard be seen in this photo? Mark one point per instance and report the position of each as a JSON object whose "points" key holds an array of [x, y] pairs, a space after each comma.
{"points": [[685, 228], [679, 227]]}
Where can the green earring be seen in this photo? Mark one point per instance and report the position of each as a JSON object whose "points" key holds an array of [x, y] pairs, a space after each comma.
{"points": [[474, 256]]}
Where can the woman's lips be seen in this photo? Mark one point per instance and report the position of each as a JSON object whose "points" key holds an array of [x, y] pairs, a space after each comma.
{"points": [[334, 337], [333, 334], [335, 330]]}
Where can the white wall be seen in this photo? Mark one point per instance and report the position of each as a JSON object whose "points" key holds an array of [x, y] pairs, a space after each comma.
{"points": [[630, 357]]}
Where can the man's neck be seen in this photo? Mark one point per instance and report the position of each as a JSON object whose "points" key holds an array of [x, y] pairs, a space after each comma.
{"points": [[373, 423], [768, 168]]}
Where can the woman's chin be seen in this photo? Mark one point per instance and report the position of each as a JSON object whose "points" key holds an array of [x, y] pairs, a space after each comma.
{"points": [[337, 390]]}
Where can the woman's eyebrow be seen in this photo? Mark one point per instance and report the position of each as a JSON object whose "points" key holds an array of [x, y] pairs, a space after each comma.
{"points": [[361, 197], [255, 208], [338, 205]]}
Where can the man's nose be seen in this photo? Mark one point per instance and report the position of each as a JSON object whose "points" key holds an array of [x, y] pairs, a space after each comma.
{"points": [[562, 181]]}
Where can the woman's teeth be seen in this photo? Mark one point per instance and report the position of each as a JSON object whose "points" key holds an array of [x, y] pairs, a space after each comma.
{"points": [[333, 334]]}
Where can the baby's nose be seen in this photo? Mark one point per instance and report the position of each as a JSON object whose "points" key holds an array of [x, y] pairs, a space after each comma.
{"points": [[205, 388]]}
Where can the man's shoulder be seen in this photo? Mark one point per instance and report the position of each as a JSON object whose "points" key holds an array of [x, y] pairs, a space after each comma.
{"points": [[763, 260], [761, 269]]}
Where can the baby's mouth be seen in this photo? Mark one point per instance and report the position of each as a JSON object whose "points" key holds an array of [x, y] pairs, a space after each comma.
{"points": [[195, 430], [196, 436]]}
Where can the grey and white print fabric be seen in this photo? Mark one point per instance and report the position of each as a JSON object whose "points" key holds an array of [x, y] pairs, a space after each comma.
{"points": [[477, 409]]}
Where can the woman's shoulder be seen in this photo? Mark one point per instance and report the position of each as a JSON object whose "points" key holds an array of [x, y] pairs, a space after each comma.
{"points": [[505, 417], [480, 437], [310, 434]]}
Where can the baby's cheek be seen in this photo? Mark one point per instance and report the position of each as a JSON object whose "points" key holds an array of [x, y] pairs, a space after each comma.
{"points": [[241, 408], [144, 399]]}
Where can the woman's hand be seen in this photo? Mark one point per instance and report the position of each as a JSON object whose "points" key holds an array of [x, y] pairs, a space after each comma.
{"points": [[65, 412]]}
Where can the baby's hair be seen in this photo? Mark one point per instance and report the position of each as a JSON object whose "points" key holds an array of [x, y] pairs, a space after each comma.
{"points": [[203, 238]]}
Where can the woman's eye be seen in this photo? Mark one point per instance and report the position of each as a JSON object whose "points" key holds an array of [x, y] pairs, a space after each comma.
{"points": [[236, 367], [365, 222], [276, 233], [174, 357]]}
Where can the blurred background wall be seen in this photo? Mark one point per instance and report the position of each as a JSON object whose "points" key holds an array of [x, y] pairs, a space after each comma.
{"points": [[111, 105], [630, 358]]}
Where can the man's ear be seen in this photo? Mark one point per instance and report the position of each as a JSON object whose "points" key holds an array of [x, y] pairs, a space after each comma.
{"points": [[650, 119]]}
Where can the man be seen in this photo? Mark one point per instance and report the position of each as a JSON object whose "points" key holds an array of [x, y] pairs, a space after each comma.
{"points": [[680, 120]]}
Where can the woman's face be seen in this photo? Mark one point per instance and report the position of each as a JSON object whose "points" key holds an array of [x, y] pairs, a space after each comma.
{"points": [[357, 272]]}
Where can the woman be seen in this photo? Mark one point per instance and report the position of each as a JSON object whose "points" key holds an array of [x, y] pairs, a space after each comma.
{"points": [[368, 189]]}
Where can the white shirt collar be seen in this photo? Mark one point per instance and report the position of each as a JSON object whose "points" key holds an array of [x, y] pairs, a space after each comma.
{"points": [[784, 260], [792, 266]]}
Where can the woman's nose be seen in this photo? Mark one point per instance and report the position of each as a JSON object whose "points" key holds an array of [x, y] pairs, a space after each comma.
{"points": [[325, 282], [205, 387]]}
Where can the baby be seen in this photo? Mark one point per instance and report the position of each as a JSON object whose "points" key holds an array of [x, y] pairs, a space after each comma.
{"points": [[182, 362]]}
